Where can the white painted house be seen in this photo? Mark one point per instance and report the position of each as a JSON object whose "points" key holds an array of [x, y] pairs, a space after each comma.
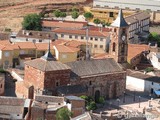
{"points": [[155, 59], [142, 82]]}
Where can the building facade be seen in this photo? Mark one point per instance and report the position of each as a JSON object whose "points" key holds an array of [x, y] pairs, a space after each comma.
{"points": [[98, 39]]}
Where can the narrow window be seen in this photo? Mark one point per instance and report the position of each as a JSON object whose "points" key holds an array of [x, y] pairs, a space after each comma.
{"points": [[114, 47]]}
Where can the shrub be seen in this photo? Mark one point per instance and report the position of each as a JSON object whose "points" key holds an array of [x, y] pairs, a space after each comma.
{"points": [[63, 114], [91, 106], [149, 69], [101, 100]]}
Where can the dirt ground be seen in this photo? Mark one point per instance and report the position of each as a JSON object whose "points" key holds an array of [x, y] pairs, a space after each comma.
{"points": [[13, 11]]}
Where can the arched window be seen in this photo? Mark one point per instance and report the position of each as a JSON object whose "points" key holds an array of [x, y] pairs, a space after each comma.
{"points": [[114, 47]]}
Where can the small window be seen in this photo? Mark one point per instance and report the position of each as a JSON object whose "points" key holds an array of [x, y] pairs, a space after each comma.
{"points": [[101, 39], [91, 38], [95, 46], [26, 39], [57, 83], [101, 46], [70, 36], [96, 39], [115, 30], [62, 35], [40, 40], [114, 47], [110, 14], [76, 36], [152, 83], [82, 37], [1, 85], [6, 54]]}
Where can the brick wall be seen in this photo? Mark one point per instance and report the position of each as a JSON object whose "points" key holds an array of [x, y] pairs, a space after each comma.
{"points": [[45, 80]]}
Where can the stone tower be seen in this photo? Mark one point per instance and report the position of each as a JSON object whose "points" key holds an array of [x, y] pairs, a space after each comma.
{"points": [[119, 39]]}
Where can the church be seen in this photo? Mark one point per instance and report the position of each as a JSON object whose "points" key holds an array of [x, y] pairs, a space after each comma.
{"points": [[104, 77]]}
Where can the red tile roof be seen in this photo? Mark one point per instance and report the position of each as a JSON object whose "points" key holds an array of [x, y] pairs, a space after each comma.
{"points": [[135, 49], [62, 24], [75, 43], [42, 46], [26, 45], [82, 32], [66, 49]]}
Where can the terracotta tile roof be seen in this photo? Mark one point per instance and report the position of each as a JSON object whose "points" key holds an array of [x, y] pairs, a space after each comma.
{"points": [[45, 65], [26, 45], [8, 46], [59, 42], [66, 49], [4, 42], [42, 46], [63, 24], [135, 49], [75, 43], [82, 32], [36, 34]]}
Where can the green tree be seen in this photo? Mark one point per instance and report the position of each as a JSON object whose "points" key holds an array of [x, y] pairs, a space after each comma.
{"points": [[32, 22], [63, 15], [63, 114], [75, 9], [91, 106], [97, 21], [154, 37], [88, 15], [57, 13], [75, 15], [101, 100]]}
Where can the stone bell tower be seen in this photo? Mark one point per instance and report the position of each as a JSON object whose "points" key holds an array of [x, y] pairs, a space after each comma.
{"points": [[119, 39]]}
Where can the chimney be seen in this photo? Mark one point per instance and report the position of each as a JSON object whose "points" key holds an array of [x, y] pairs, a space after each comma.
{"points": [[23, 32], [27, 33]]}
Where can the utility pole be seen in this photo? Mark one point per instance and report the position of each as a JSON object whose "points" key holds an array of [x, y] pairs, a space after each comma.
{"points": [[87, 46]]}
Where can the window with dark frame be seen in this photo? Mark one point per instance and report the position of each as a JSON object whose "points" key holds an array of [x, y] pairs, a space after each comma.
{"points": [[110, 14], [114, 47], [70, 36], [82, 37]]}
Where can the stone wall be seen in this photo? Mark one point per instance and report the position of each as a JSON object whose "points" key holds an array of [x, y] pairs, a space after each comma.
{"points": [[110, 85]]}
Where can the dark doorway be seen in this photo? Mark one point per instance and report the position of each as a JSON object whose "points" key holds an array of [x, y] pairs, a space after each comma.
{"points": [[31, 92], [97, 96], [151, 90]]}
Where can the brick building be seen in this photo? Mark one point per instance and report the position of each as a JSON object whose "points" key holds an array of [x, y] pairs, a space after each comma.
{"points": [[102, 77], [47, 72]]}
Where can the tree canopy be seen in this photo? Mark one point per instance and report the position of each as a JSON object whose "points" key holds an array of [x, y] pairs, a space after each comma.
{"points": [[63, 15], [32, 22], [97, 21], [154, 37], [88, 15], [63, 114], [57, 13], [75, 15]]}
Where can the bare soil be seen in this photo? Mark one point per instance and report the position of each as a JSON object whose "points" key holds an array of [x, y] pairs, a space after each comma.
{"points": [[13, 11]]}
